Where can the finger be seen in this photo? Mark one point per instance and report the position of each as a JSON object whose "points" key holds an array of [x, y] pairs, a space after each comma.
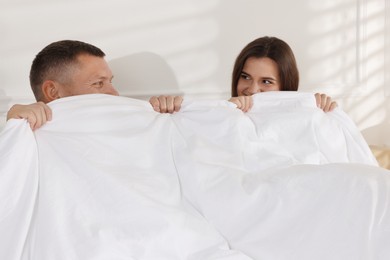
{"points": [[236, 101], [47, 111], [248, 103], [155, 103], [177, 103], [42, 116], [241, 103], [324, 100], [245, 103], [333, 105], [327, 104], [39, 116], [32, 120], [318, 99], [163, 104], [12, 112], [170, 105]]}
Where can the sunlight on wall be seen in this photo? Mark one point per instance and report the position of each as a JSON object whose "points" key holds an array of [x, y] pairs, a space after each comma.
{"points": [[336, 46], [187, 46], [373, 102], [182, 31], [184, 36], [339, 44], [347, 56], [387, 49]]}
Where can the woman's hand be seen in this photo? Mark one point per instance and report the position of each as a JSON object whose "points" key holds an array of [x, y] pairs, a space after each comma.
{"points": [[325, 102], [36, 114], [166, 104], [244, 103]]}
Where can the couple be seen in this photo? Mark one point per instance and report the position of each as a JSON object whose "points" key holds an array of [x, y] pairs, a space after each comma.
{"points": [[68, 68], [120, 190]]}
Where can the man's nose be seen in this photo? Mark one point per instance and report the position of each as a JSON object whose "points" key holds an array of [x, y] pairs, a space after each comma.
{"points": [[112, 91]]}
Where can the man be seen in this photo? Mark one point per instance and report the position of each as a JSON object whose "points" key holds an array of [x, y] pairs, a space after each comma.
{"points": [[64, 68], [68, 68]]}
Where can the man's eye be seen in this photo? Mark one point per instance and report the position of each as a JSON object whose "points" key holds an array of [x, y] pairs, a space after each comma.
{"points": [[98, 84]]}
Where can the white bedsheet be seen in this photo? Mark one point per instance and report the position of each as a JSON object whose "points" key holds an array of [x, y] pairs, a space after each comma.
{"points": [[108, 178]]}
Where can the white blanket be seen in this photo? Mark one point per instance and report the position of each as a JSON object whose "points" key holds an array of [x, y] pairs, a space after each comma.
{"points": [[108, 178]]}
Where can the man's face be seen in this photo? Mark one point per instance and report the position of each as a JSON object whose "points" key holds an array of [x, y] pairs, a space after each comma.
{"points": [[92, 75]]}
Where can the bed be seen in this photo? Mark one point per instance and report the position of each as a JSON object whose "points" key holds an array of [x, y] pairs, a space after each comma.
{"points": [[109, 178], [379, 142], [382, 155]]}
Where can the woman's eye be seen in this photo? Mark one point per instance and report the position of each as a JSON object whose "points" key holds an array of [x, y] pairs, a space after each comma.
{"points": [[267, 82], [244, 76]]}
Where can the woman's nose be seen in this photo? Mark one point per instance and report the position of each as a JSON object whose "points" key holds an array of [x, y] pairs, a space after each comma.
{"points": [[254, 88]]}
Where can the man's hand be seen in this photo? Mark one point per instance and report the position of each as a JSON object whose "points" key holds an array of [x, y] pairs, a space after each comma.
{"points": [[325, 103], [244, 103], [37, 114], [166, 104]]}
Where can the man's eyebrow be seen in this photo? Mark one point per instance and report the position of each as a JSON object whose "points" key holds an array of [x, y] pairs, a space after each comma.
{"points": [[104, 77]]}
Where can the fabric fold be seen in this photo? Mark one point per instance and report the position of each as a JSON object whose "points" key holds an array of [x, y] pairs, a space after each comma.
{"points": [[109, 178], [19, 177]]}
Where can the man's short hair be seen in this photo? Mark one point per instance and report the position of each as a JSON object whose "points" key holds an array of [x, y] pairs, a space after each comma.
{"points": [[54, 61]]}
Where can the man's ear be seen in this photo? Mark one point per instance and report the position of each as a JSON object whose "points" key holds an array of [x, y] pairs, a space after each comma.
{"points": [[50, 91]]}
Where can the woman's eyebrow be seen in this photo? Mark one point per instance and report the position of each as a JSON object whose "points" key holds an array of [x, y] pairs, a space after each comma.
{"points": [[268, 78]]}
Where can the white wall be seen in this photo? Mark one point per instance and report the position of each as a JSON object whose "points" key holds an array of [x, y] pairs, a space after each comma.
{"points": [[341, 45]]}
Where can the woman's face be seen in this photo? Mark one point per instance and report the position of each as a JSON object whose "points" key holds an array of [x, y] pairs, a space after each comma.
{"points": [[258, 75]]}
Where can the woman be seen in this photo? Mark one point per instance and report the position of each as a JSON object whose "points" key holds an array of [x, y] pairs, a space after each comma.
{"points": [[265, 64]]}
